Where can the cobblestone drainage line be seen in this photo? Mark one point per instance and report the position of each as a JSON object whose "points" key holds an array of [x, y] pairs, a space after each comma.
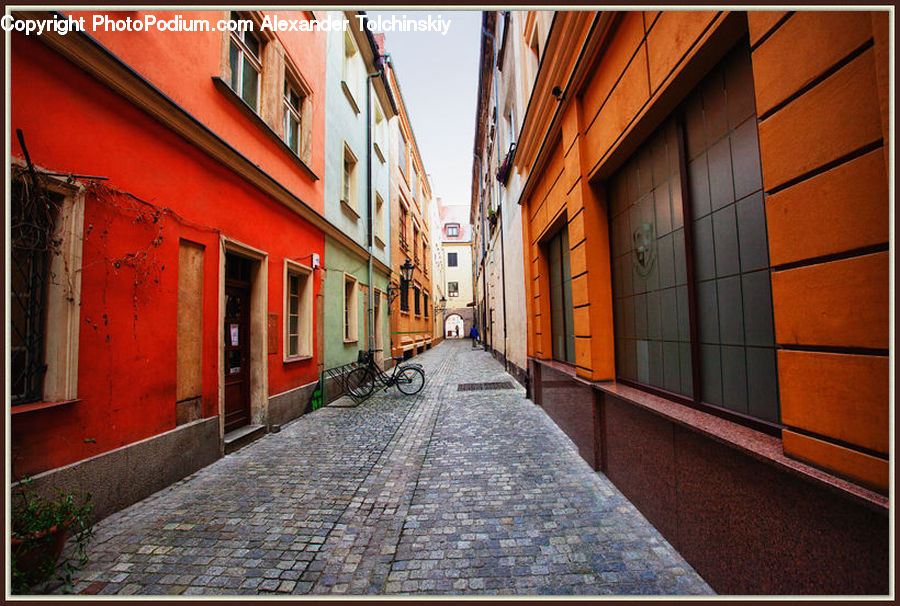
{"points": [[484, 386]]}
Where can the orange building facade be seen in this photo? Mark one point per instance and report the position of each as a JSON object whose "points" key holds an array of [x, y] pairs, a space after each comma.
{"points": [[412, 311], [705, 219], [175, 326]]}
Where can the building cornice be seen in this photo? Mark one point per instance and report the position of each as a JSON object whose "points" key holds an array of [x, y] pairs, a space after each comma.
{"points": [[96, 60]]}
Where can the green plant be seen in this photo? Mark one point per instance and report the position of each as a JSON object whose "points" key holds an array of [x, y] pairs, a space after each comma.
{"points": [[39, 528]]}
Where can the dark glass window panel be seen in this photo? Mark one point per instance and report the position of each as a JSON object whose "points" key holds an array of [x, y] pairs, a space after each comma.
{"points": [[687, 378], [677, 205], [734, 378], [654, 317], [643, 362], [707, 312], [711, 374], [669, 303], [640, 316], [684, 314], [721, 181], [745, 159], [704, 249], [561, 311], [739, 84], [758, 320], [762, 383], [726, 242], [656, 363], [751, 219], [731, 315], [680, 262], [672, 366], [666, 258], [663, 210], [252, 43], [698, 186], [714, 108], [694, 129]]}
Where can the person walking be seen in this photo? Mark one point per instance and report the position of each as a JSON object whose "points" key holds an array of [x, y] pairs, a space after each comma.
{"points": [[457, 331], [474, 334]]}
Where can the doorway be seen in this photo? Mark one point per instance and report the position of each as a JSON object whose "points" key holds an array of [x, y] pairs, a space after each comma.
{"points": [[236, 345], [454, 327]]}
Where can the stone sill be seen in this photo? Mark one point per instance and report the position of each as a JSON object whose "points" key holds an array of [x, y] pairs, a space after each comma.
{"points": [[760, 446], [25, 408]]}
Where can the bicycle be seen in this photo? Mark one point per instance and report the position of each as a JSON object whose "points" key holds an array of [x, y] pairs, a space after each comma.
{"points": [[408, 378]]}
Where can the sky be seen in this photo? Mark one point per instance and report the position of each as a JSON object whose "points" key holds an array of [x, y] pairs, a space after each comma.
{"points": [[438, 77]]}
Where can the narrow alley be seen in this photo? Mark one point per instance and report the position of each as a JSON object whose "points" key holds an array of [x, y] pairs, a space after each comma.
{"points": [[400, 495]]}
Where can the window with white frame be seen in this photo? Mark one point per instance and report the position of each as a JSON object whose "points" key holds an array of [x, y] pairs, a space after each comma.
{"points": [[453, 289], [292, 113], [351, 310], [349, 73], [349, 179], [379, 217], [380, 125], [244, 58], [453, 230], [298, 342]]}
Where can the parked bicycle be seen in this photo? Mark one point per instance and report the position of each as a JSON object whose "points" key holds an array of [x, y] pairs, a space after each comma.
{"points": [[408, 378]]}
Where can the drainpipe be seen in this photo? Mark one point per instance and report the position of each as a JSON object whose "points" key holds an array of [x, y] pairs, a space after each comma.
{"points": [[370, 211]]}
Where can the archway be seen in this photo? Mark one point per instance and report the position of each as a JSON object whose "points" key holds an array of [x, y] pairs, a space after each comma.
{"points": [[454, 327]]}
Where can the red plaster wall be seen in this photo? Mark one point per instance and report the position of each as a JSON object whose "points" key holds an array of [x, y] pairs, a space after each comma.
{"points": [[127, 356]]}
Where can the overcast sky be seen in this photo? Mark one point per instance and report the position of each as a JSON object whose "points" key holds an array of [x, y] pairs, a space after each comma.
{"points": [[439, 79]]}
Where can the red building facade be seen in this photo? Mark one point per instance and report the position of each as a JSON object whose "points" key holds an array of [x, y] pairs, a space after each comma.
{"points": [[182, 175]]}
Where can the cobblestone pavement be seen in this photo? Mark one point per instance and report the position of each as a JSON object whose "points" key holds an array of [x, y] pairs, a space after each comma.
{"points": [[445, 492]]}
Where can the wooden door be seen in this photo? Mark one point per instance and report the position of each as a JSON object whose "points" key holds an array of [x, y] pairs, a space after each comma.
{"points": [[237, 344]]}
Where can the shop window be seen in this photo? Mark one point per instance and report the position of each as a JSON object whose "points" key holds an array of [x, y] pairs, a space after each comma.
{"points": [[351, 310], [298, 311], [731, 346], [562, 322], [245, 61]]}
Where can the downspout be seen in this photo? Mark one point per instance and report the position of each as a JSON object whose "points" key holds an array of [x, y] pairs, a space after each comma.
{"points": [[369, 211]]}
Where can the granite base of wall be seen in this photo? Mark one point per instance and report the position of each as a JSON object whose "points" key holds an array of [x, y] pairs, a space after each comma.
{"points": [[291, 404], [121, 477], [746, 526]]}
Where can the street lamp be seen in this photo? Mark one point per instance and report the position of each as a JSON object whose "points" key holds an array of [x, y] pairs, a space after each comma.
{"points": [[406, 271]]}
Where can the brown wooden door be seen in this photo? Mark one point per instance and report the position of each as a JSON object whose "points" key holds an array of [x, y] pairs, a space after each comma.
{"points": [[237, 351]]}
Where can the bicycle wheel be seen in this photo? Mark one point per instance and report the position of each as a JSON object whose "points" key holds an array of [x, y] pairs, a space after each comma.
{"points": [[410, 380], [360, 382]]}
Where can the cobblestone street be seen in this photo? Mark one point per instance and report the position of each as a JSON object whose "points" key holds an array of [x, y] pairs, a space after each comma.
{"points": [[449, 491]]}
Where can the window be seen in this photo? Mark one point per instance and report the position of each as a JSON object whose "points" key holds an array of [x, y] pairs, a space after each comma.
{"points": [[730, 350], [452, 230], [46, 226], [416, 293], [414, 184], [451, 259], [292, 110], [404, 153], [379, 217], [349, 179], [350, 74], [425, 303], [351, 309], [404, 299], [244, 59], [425, 258], [562, 323], [298, 311], [404, 213], [415, 244], [380, 125], [453, 289]]}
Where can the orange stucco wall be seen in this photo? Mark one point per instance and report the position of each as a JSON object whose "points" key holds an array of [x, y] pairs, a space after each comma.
{"points": [[819, 90], [127, 346]]}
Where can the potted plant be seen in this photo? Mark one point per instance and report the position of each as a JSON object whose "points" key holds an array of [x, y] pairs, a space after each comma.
{"points": [[39, 530]]}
